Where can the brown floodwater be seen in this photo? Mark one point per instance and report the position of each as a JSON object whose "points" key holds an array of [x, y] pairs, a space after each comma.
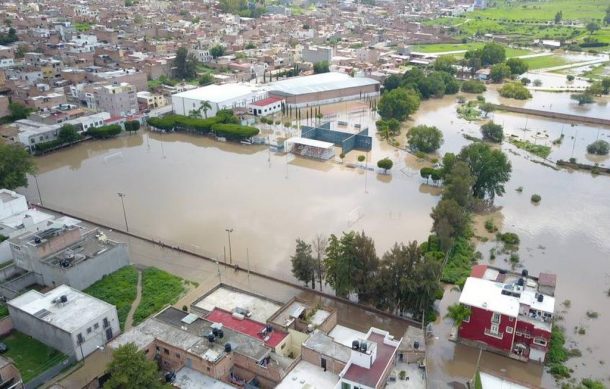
{"points": [[186, 190]]}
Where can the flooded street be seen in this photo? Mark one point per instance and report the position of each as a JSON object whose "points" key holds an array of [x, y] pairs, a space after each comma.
{"points": [[186, 190]]}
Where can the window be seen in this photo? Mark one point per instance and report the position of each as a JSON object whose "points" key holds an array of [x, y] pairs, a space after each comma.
{"points": [[519, 333], [466, 320], [165, 351], [495, 329], [79, 338], [495, 318], [528, 336], [540, 341], [96, 326], [89, 330], [509, 330], [106, 323], [178, 355]]}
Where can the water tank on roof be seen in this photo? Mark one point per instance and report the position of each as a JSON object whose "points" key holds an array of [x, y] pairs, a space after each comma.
{"points": [[228, 347], [215, 331], [269, 328], [502, 271], [520, 282], [221, 334], [211, 338], [540, 298], [63, 298], [416, 345], [355, 345], [37, 240], [363, 347], [524, 273]]}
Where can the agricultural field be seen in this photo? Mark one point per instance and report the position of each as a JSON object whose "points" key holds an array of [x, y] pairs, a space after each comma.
{"points": [[541, 11], [546, 61], [448, 47]]}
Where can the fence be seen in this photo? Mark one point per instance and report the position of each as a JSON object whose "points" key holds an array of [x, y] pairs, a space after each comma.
{"points": [[49, 373], [348, 141]]}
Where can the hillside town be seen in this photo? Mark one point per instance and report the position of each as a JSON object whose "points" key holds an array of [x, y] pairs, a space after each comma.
{"points": [[304, 194]]}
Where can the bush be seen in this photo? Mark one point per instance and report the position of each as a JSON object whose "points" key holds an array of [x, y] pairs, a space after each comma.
{"points": [[425, 138], [234, 131], [385, 164], [536, 198], [515, 90], [599, 147], [104, 132], [361, 158], [509, 238], [473, 86], [492, 132]]}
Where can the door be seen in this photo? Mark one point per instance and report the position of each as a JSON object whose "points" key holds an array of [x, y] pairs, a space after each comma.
{"points": [[108, 333], [323, 363]]}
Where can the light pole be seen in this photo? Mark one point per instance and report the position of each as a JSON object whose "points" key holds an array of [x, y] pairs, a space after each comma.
{"points": [[229, 230], [38, 188], [122, 196]]}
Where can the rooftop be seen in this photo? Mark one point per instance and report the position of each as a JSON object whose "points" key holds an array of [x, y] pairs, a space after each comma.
{"points": [[187, 378], [267, 101], [308, 376], [319, 83], [310, 142], [345, 335], [370, 377], [228, 298], [219, 93], [79, 309], [325, 345], [90, 246], [246, 326], [488, 295]]}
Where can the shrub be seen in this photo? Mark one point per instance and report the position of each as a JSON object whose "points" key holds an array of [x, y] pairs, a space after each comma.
{"points": [[536, 198], [473, 86], [425, 138], [514, 90], [599, 147], [361, 158], [385, 164], [234, 131], [509, 238], [592, 314], [104, 132], [492, 132], [489, 226]]}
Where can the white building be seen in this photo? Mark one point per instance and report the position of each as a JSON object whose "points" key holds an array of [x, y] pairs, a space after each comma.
{"points": [[66, 319], [219, 96]]}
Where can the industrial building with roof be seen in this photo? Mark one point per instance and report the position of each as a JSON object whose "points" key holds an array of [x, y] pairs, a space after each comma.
{"points": [[218, 96]]}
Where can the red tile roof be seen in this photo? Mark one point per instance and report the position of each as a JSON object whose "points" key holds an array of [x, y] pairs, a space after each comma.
{"points": [[478, 271], [267, 101], [245, 326], [370, 377]]}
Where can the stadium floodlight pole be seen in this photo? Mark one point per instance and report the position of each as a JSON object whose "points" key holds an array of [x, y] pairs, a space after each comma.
{"points": [[38, 189], [122, 196], [229, 230]]}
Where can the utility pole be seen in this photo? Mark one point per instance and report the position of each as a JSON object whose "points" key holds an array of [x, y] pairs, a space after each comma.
{"points": [[229, 230], [122, 196], [38, 189], [248, 259]]}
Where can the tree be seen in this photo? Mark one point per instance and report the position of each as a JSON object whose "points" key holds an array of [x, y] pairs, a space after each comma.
{"points": [[490, 169], [393, 126], [398, 104], [303, 265], [15, 164], [67, 134], [582, 98], [385, 164], [425, 138], [432, 85], [599, 147], [487, 108], [132, 126], [458, 184], [366, 266], [592, 27], [450, 221], [458, 313], [18, 111], [492, 53], [206, 79], [319, 247], [607, 17], [570, 77], [217, 51], [605, 85], [131, 369], [558, 17], [473, 86], [445, 63], [517, 66], [499, 72], [321, 67], [185, 64], [515, 90], [492, 132], [391, 83]]}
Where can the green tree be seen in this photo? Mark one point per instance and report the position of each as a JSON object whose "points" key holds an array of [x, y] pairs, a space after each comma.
{"points": [[321, 67], [446, 63], [131, 369], [391, 83], [206, 79], [490, 169], [582, 98], [398, 104], [592, 27], [185, 64], [492, 53], [385, 164], [499, 72], [15, 164], [217, 51], [605, 85], [67, 134], [515, 90], [599, 147], [492, 132], [458, 313], [473, 86], [558, 17], [487, 108], [132, 126], [570, 77], [517, 66], [18, 111], [425, 138], [458, 184], [432, 85], [450, 221], [303, 265]]}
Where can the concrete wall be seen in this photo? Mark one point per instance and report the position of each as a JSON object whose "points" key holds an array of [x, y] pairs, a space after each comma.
{"points": [[9, 271], [6, 326], [315, 357], [97, 337], [87, 272], [328, 97], [14, 287]]}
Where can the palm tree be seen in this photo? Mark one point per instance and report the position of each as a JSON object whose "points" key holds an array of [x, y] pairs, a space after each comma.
{"points": [[205, 106]]}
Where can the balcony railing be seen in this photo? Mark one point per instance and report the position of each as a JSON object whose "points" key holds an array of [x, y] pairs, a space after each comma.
{"points": [[498, 335]]}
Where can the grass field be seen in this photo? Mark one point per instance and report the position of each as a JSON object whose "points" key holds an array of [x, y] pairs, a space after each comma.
{"points": [[445, 47], [581, 10], [118, 289], [159, 288], [544, 62], [30, 356]]}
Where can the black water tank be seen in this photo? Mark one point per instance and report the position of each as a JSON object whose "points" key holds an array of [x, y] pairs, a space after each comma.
{"points": [[540, 298], [227, 347], [355, 345], [63, 298], [520, 282], [524, 272], [416, 345], [220, 334], [211, 338], [37, 240], [215, 331], [502, 271], [269, 328], [363, 347]]}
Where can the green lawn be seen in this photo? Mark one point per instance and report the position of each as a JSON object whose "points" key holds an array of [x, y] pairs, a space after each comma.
{"points": [[30, 356], [118, 289], [443, 47], [513, 52], [583, 10], [545, 62], [159, 288]]}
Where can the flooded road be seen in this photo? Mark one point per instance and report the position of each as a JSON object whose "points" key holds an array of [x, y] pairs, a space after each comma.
{"points": [[187, 190]]}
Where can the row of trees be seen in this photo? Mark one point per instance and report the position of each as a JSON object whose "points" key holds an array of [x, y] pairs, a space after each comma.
{"points": [[404, 279]]}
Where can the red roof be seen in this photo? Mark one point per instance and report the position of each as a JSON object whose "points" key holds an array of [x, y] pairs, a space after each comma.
{"points": [[370, 377], [478, 271], [245, 326], [267, 101]]}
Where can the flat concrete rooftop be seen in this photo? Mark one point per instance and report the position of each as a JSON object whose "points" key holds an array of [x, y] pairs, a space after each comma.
{"points": [[229, 299], [324, 344], [308, 376], [187, 378]]}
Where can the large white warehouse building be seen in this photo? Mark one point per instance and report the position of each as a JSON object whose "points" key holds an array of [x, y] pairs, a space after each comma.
{"points": [[219, 96]]}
